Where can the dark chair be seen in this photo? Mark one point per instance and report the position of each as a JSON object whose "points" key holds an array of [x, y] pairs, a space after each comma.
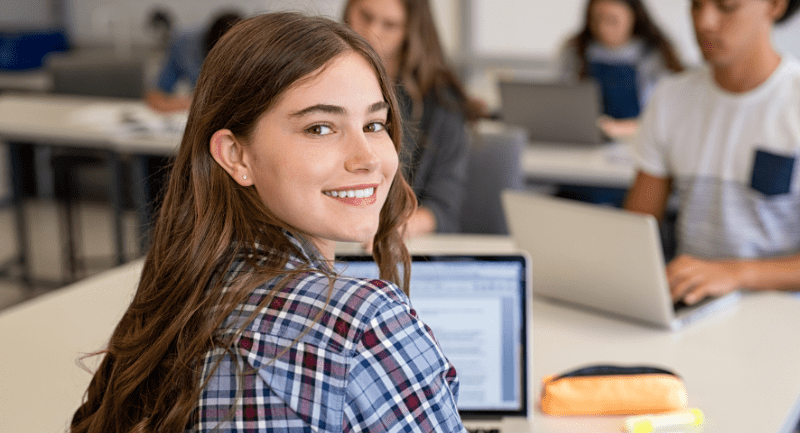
{"points": [[70, 170], [494, 165], [81, 174]]}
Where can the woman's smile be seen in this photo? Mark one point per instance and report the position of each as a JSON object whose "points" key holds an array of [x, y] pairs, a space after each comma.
{"points": [[358, 196]]}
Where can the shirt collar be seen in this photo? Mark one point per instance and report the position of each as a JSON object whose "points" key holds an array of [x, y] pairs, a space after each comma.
{"points": [[308, 253]]}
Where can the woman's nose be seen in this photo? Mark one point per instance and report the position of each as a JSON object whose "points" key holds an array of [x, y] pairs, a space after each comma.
{"points": [[362, 155]]}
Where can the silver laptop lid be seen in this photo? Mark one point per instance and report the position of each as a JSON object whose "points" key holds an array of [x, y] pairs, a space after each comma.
{"points": [[596, 257], [552, 111], [477, 307]]}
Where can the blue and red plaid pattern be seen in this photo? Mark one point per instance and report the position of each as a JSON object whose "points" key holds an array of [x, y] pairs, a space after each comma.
{"points": [[368, 364]]}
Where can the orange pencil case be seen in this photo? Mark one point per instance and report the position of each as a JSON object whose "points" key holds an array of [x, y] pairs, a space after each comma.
{"points": [[613, 390]]}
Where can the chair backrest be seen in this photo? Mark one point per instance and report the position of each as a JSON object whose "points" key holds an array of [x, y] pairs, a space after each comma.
{"points": [[494, 165]]}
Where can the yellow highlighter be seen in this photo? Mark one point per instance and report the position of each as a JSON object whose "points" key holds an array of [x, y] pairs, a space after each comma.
{"points": [[652, 423]]}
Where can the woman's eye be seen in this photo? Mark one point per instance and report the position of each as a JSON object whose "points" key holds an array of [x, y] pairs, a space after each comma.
{"points": [[375, 127], [319, 130]]}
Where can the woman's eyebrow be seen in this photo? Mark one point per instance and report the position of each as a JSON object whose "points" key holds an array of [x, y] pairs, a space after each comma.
{"points": [[319, 108], [335, 109], [378, 106]]}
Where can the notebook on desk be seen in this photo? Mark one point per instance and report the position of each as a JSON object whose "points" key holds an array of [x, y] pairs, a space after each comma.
{"points": [[553, 112], [478, 307], [600, 258]]}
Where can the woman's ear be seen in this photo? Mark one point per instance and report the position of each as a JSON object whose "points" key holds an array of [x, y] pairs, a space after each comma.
{"points": [[229, 154]]}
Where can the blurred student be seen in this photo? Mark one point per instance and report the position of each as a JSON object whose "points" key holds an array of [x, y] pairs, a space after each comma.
{"points": [[626, 53], [159, 25], [183, 61], [726, 138], [434, 103], [240, 322]]}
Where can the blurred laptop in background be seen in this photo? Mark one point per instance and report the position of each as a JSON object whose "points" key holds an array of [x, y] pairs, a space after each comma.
{"points": [[553, 112]]}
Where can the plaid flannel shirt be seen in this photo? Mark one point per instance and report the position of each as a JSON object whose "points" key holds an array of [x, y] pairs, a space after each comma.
{"points": [[369, 364]]}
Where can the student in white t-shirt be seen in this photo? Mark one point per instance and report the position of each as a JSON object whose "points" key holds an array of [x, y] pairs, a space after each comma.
{"points": [[726, 138]]}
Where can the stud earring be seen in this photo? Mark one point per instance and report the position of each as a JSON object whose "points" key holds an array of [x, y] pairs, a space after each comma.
{"points": [[244, 177]]}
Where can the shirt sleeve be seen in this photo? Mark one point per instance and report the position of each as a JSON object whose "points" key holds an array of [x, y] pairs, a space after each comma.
{"points": [[649, 148], [399, 378], [444, 186]]}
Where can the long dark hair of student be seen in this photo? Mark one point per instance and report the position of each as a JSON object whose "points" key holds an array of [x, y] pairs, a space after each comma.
{"points": [[643, 27], [149, 378], [423, 67]]}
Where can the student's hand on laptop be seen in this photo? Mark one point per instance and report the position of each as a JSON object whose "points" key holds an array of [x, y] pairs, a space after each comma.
{"points": [[692, 279], [617, 128]]}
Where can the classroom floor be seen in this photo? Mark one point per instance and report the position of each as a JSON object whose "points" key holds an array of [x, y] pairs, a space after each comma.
{"points": [[46, 238]]}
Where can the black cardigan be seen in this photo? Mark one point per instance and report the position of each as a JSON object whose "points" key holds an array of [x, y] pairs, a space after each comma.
{"points": [[435, 155]]}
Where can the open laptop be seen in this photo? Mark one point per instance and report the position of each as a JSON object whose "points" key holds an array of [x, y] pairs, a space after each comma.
{"points": [[478, 307], [553, 112], [601, 258]]}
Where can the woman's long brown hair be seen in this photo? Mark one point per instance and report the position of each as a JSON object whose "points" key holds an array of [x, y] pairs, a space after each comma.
{"points": [[149, 378], [644, 27], [423, 68]]}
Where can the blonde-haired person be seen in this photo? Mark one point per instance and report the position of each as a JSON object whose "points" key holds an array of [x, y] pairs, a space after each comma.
{"points": [[240, 322], [726, 138], [435, 105]]}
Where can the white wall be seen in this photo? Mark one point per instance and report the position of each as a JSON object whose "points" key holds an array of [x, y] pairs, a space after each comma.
{"points": [[538, 28], [26, 14], [499, 28], [787, 36], [123, 21]]}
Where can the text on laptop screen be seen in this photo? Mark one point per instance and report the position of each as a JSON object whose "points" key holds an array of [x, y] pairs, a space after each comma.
{"points": [[475, 308]]}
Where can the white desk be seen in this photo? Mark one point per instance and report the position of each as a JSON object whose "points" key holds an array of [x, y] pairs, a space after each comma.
{"points": [[603, 165], [94, 123], [740, 367], [41, 382], [66, 120], [26, 81]]}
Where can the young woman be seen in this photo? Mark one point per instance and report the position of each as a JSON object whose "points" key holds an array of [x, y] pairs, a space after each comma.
{"points": [[726, 138], [240, 322], [623, 49], [434, 103]]}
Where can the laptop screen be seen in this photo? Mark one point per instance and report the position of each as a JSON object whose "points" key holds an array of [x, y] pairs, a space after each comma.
{"points": [[475, 306]]}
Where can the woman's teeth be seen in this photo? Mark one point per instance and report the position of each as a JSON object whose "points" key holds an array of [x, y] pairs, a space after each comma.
{"points": [[350, 193]]}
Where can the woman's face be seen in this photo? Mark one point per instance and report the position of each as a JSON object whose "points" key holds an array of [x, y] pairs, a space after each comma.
{"points": [[321, 159], [382, 23], [727, 30], [611, 22]]}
